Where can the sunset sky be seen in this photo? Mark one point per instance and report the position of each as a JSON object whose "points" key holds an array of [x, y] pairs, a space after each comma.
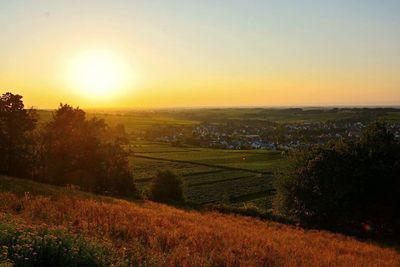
{"points": [[133, 54]]}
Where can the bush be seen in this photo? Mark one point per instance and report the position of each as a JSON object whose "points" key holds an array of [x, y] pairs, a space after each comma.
{"points": [[166, 187], [21, 246], [352, 187]]}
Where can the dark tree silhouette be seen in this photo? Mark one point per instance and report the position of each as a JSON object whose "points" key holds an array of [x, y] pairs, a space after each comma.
{"points": [[166, 187], [346, 186], [16, 124], [81, 151]]}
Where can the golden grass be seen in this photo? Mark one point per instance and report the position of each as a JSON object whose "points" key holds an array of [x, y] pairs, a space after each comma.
{"points": [[159, 235]]}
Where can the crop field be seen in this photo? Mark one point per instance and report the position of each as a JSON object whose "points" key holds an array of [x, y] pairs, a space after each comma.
{"points": [[157, 147], [147, 168], [229, 190], [203, 184], [209, 175], [198, 179], [252, 160], [234, 177]]}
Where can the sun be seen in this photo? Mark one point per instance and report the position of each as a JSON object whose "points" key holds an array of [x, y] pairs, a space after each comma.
{"points": [[99, 74]]}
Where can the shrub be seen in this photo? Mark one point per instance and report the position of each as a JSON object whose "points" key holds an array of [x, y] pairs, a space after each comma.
{"points": [[166, 187], [23, 246]]}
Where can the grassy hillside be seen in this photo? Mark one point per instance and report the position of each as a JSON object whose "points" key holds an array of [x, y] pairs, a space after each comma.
{"points": [[150, 234]]}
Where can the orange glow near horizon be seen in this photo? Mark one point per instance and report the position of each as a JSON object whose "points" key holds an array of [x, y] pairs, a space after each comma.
{"points": [[151, 54]]}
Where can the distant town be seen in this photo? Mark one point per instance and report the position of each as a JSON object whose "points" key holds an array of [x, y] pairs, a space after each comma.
{"points": [[257, 134]]}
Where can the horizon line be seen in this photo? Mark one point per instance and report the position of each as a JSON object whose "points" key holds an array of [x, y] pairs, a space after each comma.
{"points": [[359, 106]]}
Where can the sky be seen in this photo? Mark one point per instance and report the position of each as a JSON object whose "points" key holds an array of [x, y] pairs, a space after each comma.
{"points": [[149, 54]]}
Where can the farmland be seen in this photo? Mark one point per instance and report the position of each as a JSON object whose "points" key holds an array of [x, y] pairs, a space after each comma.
{"points": [[214, 175], [252, 160], [210, 175], [133, 121], [233, 177]]}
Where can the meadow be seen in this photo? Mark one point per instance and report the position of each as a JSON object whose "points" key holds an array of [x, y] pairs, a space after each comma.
{"points": [[149, 234]]}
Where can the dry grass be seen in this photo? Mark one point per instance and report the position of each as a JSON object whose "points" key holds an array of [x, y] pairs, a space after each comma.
{"points": [[158, 235]]}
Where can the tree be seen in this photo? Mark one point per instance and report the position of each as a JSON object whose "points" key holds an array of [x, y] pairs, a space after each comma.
{"points": [[16, 123], [81, 151], [345, 186], [166, 187], [114, 170]]}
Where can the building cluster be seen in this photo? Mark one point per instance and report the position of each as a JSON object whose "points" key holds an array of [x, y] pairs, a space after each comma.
{"points": [[259, 135]]}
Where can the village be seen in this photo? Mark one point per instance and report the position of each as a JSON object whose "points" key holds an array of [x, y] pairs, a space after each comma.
{"points": [[248, 135]]}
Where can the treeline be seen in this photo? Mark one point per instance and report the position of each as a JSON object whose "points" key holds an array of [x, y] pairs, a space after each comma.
{"points": [[68, 150], [347, 186]]}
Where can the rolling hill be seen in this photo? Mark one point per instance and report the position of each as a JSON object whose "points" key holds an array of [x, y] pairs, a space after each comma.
{"points": [[95, 230]]}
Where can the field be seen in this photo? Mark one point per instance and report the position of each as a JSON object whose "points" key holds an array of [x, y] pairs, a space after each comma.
{"points": [[142, 119], [250, 160], [150, 234], [282, 115], [133, 121], [232, 177]]}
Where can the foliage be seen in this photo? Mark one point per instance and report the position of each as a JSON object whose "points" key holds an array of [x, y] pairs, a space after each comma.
{"points": [[69, 149], [16, 125], [79, 151], [166, 186], [31, 246], [346, 186]]}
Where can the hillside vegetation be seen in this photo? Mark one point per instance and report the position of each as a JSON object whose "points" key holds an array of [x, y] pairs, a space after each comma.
{"points": [[150, 234]]}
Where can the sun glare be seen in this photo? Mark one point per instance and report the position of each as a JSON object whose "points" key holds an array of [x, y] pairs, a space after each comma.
{"points": [[99, 74]]}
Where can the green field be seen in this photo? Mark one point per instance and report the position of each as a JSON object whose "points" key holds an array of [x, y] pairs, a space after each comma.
{"points": [[217, 176], [142, 118], [147, 168], [252, 160], [234, 177], [237, 177], [209, 175], [233, 191], [157, 147], [279, 115]]}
